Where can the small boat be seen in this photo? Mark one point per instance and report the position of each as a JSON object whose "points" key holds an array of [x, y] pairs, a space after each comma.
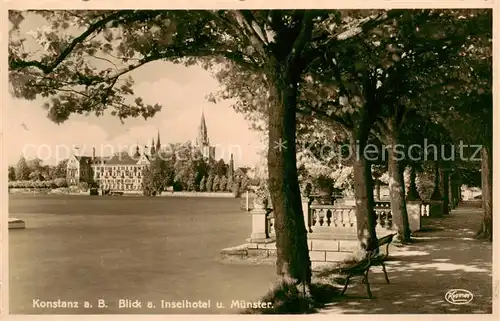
{"points": [[15, 223]]}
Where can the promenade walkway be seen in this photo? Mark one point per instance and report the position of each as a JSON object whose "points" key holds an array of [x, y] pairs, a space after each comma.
{"points": [[445, 256]]}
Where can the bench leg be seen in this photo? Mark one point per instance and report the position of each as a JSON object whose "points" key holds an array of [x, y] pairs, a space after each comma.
{"points": [[385, 273], [368, 285], [345, 286]]}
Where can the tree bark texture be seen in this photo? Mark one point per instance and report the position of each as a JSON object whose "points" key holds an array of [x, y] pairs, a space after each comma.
{"points": [[436, 194], [293, 263], [397, 187], [363, 194], [486, 229], [445, 190]]}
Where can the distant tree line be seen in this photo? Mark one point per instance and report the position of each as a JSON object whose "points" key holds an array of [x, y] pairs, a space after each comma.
{"points": [[33, 174], [184, 168]]}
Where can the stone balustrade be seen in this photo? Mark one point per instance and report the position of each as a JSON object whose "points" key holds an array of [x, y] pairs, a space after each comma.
{"points": [[424, 209], [383, 214], [337, 219], [331, 216], [331, 229]]}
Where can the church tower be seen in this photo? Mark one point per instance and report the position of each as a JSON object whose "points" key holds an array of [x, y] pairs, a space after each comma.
{"points": [[137, 154], [158, 144], [202, 141], [152, 151]]}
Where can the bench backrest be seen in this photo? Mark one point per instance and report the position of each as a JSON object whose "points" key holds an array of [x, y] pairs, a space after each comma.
{"points": [[386, 239]]}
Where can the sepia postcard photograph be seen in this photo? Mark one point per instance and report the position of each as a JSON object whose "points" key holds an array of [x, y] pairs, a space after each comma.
{"points": [[233, 159]]}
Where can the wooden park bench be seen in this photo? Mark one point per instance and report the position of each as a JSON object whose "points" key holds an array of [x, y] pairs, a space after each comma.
{"points": [[373, 258]]}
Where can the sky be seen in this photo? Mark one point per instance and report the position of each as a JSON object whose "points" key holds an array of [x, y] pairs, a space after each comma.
{"points": [[180, 90]]}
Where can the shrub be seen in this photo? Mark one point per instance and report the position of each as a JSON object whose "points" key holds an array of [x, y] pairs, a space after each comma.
{"points": [[230, 183], [61, 182], [36, 176], [215, 184], [210, 182], [236, 188], [83, 186], [203, 184], [177, 186], [223, 184], [191, 182], [244, 183], [26, 184], [288, 299]]}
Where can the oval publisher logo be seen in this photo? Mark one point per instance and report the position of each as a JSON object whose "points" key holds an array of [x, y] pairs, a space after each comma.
{"points": [[459, 296]]}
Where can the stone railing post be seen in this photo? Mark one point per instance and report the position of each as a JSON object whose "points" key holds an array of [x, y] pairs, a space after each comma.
{"points": [[307, 213], [413, 207], [259, 222]]}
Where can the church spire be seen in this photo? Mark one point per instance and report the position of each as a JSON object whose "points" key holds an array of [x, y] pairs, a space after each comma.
{"points": [[137, 154], [231, 167], [158, 144], [202, 132], [152, 151]]}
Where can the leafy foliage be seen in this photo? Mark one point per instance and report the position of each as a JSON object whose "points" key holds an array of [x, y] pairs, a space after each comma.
{"points": [[61, 182], [210, 182], [36, 176], [11, 174], [22, 170], [215, 184], [155, 177], [203, 183], [191, 183], [223, 183], [230, 183], [33, 184]]}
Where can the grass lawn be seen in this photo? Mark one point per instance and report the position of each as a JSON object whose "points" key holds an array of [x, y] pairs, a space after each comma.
{"points": [[85, 248]]}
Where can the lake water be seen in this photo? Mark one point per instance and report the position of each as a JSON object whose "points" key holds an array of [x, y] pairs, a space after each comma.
{"points": [[91, 248]]}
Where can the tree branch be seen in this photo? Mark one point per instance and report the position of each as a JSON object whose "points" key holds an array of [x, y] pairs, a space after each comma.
{"points": [[303, 37], [250, 32], [307, 110], [16, 64]]}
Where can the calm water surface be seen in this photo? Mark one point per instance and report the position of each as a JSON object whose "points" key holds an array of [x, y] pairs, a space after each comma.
{"points": [[86, 248]]}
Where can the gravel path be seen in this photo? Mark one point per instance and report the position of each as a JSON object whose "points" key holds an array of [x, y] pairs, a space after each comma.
{"points": [[444, 256]]}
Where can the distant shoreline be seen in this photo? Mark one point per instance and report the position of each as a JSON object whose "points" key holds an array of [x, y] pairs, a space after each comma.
{"points": [[46, 191]]}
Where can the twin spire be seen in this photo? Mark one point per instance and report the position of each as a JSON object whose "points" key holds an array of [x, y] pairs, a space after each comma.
{"points": [[202, 139], [157, 147]]}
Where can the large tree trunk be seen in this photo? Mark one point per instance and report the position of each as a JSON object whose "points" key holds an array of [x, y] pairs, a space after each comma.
{"points": [[293, 263], [445, 177], [397, 192], [363, 194], [396, 183], [436, 194], [486, 230]]}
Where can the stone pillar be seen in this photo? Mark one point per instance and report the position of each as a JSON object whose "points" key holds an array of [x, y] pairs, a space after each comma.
{"points": [[306, 212], [413, 209], [436, 201], [259, 222]]}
